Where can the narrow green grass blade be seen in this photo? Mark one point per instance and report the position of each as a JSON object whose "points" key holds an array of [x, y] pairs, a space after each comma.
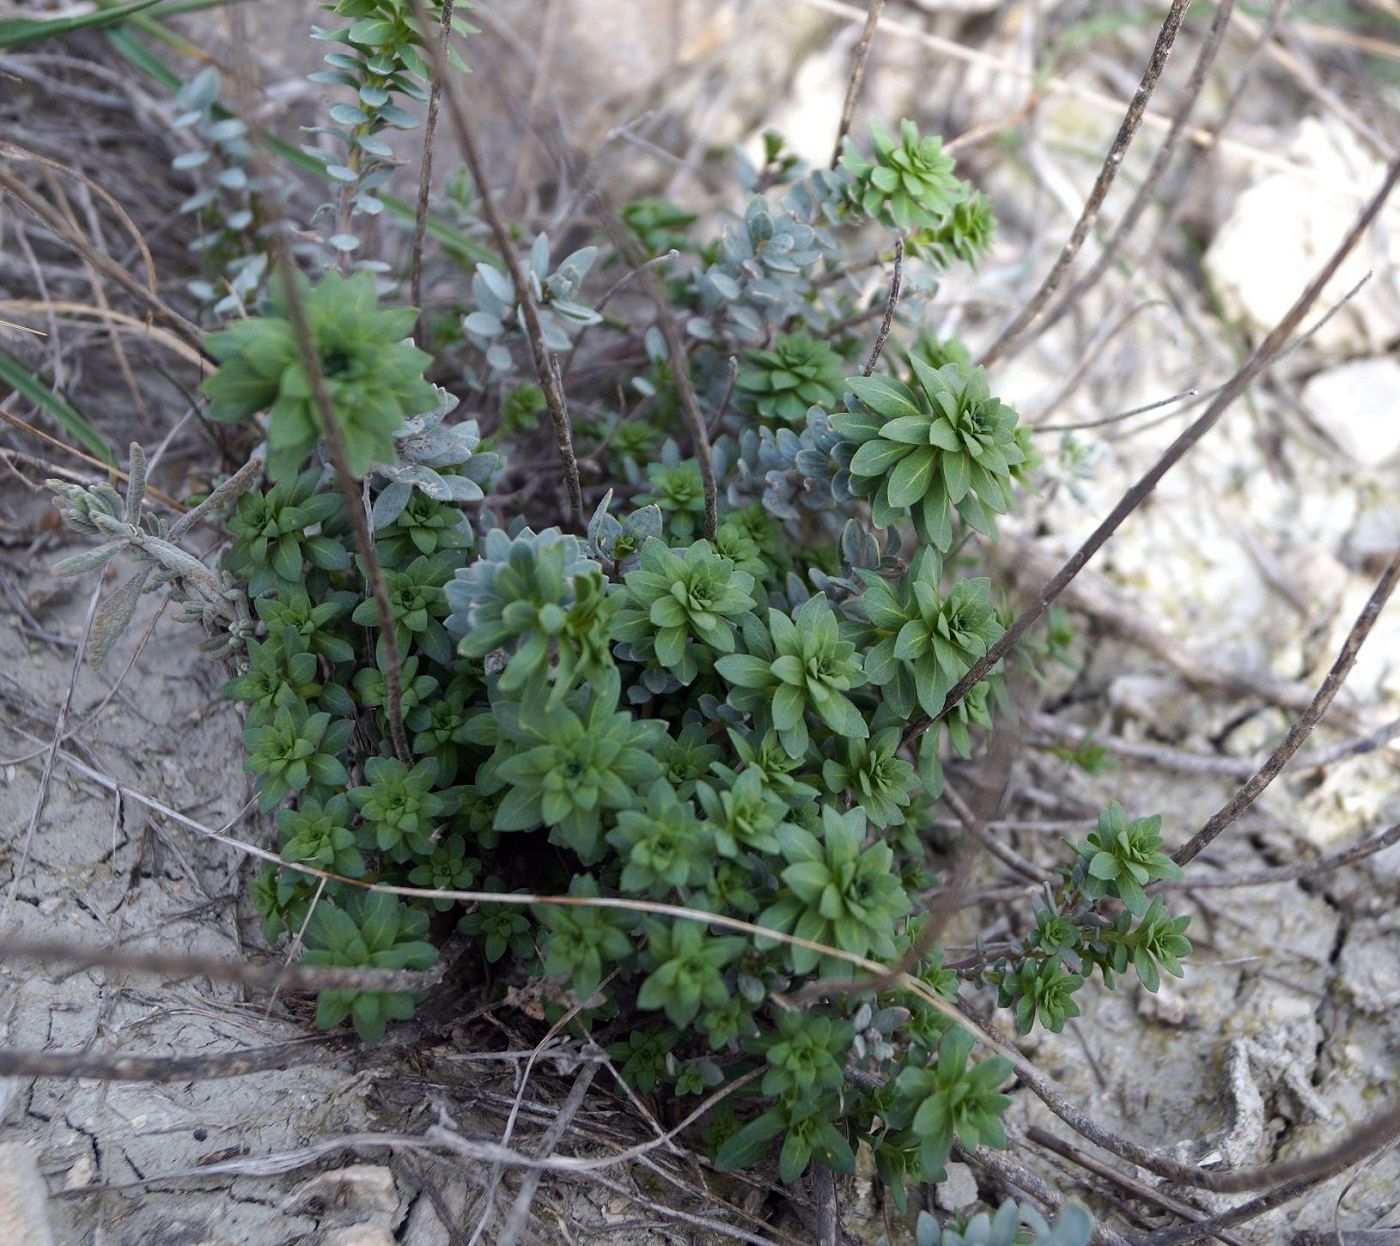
{"points": [[22, 381], [16, 32]]}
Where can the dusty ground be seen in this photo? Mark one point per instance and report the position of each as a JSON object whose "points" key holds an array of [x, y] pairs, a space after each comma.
{"points": [[1248, 564]]}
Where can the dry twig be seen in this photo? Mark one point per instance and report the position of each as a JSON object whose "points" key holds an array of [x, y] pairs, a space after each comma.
{"points": [[545, 368], [1302, 728], [1132, 119]]}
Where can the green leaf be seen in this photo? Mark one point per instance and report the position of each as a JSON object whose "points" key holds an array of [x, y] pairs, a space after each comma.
{"points": [[884, 395], [16, 32], [910, 480], [876, 457], [745, 671], [748, 1145]]}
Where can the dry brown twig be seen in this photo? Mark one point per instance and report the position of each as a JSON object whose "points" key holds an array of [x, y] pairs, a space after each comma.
{"points": [[890, 305], [425, 175], [1266, 352], [354, 508], [1132, 120], [1162, 158], [858, 59], [545, 368], [1303, 726]]}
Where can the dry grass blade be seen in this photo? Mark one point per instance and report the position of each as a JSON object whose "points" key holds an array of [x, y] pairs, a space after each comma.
{"points": [[85, 311]]}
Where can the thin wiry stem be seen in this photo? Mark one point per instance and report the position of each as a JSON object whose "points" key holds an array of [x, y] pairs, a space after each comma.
{"points": [[890, 305], [270, 977], [1303, 727], [1160, 161], [685, 393], [1268, 349], [241, 1063], [1289, 873], [545, 369], [858, 59], [425, 176], [354, 508], [1139, 1189], [1132, 119]]}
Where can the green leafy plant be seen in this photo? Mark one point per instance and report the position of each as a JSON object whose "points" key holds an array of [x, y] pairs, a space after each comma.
{"points": [[738, 711], [373, 378], [906, 183], [798, 373], [676, 606], [1120, 858], [372, 931], [944, 443]]}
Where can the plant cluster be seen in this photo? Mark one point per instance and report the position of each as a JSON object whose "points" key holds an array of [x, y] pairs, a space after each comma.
{"points": [[749, 722]]}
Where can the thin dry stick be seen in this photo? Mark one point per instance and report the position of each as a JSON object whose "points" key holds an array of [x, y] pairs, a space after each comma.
{"points": [[1204, 139], [685, 393], [267, 977], [12, 151], [1288, 873], [890, 306], [1139, 1189], [1132, 119], [1267, 350], [425, 175], [1303, 727], [95, 1065], [1012, 1174], [494, 1181], [354, 508], [529, 311], [858, 58], [1160, 161], [520, 1210], [1256, 1207], [99, 291], [38, 433], [42, 796], [1350, 1150]]}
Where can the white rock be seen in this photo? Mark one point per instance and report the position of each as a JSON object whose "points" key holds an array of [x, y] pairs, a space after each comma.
{"points": [[1358, 406], [1166, 1006], [359, 1235], [1285, 226], [358, 1187], [957, 1190]]}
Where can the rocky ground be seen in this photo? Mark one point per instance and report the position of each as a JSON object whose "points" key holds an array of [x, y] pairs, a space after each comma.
{"points": [[1205, 625]]}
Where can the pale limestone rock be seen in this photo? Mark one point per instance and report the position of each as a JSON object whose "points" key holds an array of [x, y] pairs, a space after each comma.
{"points": [[359, 1235], [957, 1190], [1358, 406], [357, 1187], [1285, 226]]}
